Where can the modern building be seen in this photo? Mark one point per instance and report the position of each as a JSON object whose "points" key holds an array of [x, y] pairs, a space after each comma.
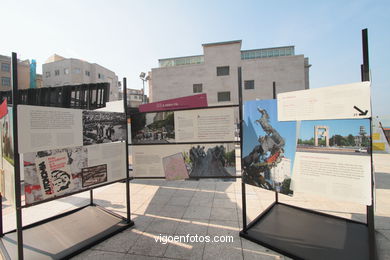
{"points": [[24, 73], [216, 73], [60, 71]]}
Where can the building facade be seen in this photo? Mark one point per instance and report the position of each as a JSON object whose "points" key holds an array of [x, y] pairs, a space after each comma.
{"points": [[60, 71], [6, 73], [135, 97], [216, 73]]}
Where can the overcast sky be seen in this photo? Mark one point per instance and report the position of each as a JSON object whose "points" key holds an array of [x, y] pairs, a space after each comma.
{"points": [[130, 36]]}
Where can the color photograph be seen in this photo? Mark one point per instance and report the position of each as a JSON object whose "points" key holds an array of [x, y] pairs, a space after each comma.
{"points": [[342, 136], [268, 147]]}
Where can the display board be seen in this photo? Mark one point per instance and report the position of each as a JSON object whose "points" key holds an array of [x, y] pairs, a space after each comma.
{"points": [[333, 159], [83, 149], [268, 147], [379, 141], [7, 154], [330, 158], [200, 160], [335, 102], [198, 125]]}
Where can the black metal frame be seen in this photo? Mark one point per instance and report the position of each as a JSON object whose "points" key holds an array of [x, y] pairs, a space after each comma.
{"points": [[17, 183], [370, 225]]}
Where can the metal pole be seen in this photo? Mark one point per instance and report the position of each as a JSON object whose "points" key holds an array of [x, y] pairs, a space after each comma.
{"points": [[18, 197], [143, 91], [365, 74], [127, 153], [88, 108], [274, 97], [243, 192]]}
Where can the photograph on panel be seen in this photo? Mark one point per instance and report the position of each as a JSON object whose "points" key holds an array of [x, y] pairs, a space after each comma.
{"points": [[207, 160], [53, 172], [94, 175], [153, 128], [342, 136], [103, 127], [175, 167], [268, 147]]}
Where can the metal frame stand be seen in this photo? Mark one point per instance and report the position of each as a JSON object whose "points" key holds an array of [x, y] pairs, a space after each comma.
{"points": [[298, 242], [12, 243]]}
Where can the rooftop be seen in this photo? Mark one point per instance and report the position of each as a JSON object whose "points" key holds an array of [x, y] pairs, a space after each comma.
{"points": [[245, 55]]}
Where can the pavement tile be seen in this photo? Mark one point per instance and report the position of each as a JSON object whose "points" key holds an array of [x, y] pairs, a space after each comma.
{"points": [[192, 227], [99, 255], [147, 245], [197, 212]]}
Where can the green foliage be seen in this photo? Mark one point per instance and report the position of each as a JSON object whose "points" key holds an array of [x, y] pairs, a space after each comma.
{"points": [[230, 157]]}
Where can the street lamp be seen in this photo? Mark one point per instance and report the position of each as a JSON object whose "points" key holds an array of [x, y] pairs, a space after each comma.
{"points": [[143, 78]]}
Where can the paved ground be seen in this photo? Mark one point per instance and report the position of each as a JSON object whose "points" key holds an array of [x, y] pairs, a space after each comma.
{"points": [[204, 207]]}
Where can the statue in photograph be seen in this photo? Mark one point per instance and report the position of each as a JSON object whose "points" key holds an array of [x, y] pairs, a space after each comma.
{"points": [[264, 156]]}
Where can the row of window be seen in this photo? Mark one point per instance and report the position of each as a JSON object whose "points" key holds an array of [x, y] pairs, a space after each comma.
{"points": [[6, 67], [6, 81], [75, 70], [248, 84]]}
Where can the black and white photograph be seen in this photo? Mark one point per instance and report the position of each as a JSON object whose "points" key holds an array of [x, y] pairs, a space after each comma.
{"points": [[153, 128], [94, 175], [211, 160], [103, 127]]}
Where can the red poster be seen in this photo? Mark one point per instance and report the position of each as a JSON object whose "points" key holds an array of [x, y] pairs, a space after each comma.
{"points": [[3, 108], [194, 101]]}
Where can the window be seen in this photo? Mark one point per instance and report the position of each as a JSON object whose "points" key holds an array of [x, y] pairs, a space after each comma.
{"points": [[5, 67], [47, 74], [197, 88], [6, 81], [57, 72], [87, 73], [223, 96], [77, 70], [66, 71], [101, 76], [223, 71], [249, 84]]}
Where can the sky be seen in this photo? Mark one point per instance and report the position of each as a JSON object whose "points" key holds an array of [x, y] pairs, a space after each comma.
{"points": [[343, 127], [129, 37]]}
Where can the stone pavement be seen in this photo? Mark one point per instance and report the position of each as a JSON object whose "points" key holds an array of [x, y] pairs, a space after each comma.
{"points": [[206, 207]]}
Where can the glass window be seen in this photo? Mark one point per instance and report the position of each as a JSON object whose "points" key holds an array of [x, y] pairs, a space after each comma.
{"points": [[223, 71], [77, 70], [5, 67], [6, 81], [87, 73], [197, 88], [47, 74], [66, 71], [249, 84], [223, 96], [57, 72]]}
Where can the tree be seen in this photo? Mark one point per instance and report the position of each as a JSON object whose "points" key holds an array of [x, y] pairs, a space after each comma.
{"points": [[351, 140]]}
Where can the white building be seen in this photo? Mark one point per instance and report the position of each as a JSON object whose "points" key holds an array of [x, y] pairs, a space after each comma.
{"points": [[215, 73], [60, 71]]}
